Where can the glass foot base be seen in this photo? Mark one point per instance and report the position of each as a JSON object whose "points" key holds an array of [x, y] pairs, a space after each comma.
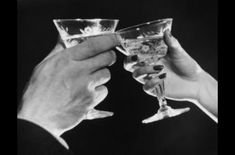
{"points": [[165, 112]]}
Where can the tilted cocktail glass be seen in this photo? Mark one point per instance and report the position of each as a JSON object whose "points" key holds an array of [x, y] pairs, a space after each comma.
{"points": [[76, 31], [146, 41]]}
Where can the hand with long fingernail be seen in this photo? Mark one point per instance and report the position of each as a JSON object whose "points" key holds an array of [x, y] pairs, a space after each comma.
{"points": [[186, 80]]}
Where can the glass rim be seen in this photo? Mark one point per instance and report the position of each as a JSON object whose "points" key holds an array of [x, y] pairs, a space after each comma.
{"points": [[80, 19], [131, 28]]}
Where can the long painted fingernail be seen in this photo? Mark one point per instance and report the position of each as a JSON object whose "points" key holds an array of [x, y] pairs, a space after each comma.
{"points": [[142, 63], [134, 58], [158, 67], [162, 76]]}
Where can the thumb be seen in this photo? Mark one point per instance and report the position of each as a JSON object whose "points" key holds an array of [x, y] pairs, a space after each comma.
{"points": [[174, 47]]}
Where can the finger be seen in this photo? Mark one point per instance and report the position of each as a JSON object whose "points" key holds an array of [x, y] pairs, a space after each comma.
{"points": [[100, 94], [149, 85], [100, 61], [129, 62], [99, 78], [96, 114], [174, 46], [146, 73], [147, 70], [93, 46]]}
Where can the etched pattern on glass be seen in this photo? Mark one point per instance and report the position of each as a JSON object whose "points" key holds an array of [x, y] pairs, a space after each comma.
{"points": [[75, 31]]}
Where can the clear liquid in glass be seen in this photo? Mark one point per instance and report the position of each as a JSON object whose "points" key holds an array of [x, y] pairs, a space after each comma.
{"points": [[149, 51]]}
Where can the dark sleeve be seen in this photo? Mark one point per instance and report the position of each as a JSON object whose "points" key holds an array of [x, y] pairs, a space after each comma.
{"points": [[34, 140]]}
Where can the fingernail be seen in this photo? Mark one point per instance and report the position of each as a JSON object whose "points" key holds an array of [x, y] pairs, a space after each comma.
{"points": [[142, 63], [162, 76], [134, 58], [158, 67]]}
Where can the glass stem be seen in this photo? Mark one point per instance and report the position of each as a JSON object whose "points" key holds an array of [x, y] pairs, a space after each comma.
{"points": [[161, 96], [162, 102]]}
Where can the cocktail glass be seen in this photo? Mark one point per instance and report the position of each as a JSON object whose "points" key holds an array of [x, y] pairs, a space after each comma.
{"points": [[75, 31], [146, 41]]}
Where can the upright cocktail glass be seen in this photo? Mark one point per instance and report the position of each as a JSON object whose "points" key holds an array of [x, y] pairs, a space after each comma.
{"points": [[146, 41], [75, 31]]}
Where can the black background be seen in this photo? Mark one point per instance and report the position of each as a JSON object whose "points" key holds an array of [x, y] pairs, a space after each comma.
{"points": [[194, 25]]}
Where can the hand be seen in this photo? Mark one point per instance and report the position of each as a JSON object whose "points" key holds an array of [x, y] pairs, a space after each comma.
{"points": [[68, 84], [186, 80], [181, 70]]}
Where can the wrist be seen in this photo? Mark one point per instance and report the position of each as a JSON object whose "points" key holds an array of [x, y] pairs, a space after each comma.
{"points": [[202, 80], [207, 95], [206, 84]]}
